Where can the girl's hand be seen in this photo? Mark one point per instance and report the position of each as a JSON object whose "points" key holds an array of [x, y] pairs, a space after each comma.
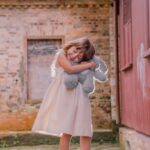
{"points": [[84, 62], [93, 65]]}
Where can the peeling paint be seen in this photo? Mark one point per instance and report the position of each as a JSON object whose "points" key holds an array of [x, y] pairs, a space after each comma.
{"points": [[141, 68]]}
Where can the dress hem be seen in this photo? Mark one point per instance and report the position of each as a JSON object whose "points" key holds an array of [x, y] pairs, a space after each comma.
{"points": [[59, 134]]}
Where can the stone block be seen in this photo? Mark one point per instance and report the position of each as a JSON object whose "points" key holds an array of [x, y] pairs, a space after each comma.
{"points": [[132, 140]]}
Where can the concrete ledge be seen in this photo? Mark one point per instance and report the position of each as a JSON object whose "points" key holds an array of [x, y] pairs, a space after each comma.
{"points": [[133, 140], [8, 139]]}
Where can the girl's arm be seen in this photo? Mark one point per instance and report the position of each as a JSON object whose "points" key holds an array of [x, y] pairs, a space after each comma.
{"points": [[64, 63]]}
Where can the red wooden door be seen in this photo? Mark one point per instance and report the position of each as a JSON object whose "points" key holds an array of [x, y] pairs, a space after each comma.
{"points": [[134, 64]]}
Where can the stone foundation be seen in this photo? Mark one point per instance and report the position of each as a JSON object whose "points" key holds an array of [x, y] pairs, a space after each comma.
{"points": [[132, 140]]}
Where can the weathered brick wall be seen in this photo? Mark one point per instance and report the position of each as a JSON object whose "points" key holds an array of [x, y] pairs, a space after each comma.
{"points": [[71, 19]]}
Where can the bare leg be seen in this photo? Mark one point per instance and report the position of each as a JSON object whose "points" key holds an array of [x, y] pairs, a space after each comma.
{"points": [[64, 141], [85, 143]]}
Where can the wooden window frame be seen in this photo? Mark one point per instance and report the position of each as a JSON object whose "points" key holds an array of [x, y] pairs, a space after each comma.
{"points": [[127, 37]]}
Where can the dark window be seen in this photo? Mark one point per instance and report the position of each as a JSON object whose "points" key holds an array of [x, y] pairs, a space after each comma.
{"points": [[126, 11], [127, 35]]}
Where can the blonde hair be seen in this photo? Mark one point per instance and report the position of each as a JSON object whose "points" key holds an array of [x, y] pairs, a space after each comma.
{"points": [[84, 44]]}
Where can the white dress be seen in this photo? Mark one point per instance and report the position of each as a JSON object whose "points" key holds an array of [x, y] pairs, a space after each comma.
{"points": [[63, 110]]}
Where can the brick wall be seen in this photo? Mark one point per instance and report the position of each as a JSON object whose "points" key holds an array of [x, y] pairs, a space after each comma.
{"points": [[68, 19]]}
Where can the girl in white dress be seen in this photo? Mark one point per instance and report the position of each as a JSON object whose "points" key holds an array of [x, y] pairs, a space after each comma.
{"points": [[65, 112]]}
